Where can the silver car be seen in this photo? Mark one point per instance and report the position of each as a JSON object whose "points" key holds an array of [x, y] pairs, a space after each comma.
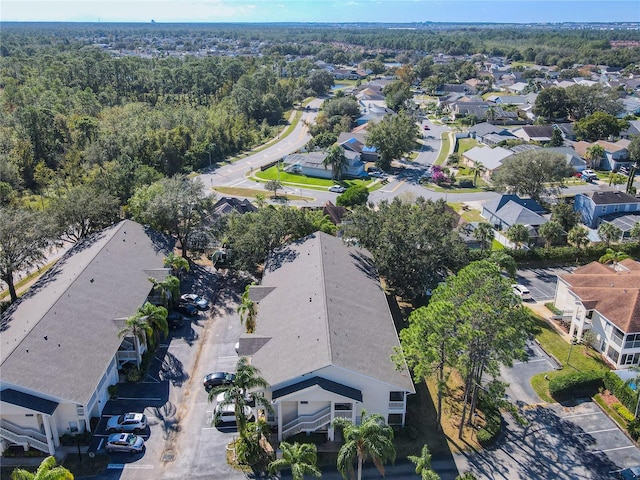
{"points": [[124, 442], [128, 422]]}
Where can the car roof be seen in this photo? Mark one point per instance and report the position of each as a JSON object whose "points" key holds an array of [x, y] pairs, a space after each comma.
{"points": [[118, 437], [133, 416]]}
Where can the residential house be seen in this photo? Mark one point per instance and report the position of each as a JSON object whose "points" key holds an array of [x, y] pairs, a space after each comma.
{"points": [[575, 161], [606, 300], [592, 206], [534, 133], [60, 344], [349, 74], [615, 156], [489, 134], [490, 158], [356, 142], [312, 164], [324, 338], [228, 205], [633, 129], [566, 129], [508, 210], [630, 106]]}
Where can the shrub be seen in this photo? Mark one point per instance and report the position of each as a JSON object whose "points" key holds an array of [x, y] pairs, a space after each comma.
{"points": [[622, 392], [354, 195], [70, 440], [133, 374], [113, 390], [465, 183], [623, 411], [633, 427], [579, 384]]}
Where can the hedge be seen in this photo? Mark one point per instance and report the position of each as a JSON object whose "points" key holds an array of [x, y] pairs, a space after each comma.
{"points": [[568, 255], [579, 384], [622, 391]]}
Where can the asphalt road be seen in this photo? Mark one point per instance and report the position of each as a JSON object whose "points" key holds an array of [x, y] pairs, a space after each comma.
{"points": [[541, 282]]}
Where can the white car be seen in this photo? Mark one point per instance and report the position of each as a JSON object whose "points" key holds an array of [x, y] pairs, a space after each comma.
{"points": [[337, 189], [127, 422], [227, 413], [589, 175], [521, 291], [197, 300]]}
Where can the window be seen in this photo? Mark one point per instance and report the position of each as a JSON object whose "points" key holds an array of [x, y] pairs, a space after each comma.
{"points": [[616, 208], [396, 396], [394, 419], [342, 406], [630, 359], [589, 314], [617, 336], [632, 341], [604, 209], [613, 354]]}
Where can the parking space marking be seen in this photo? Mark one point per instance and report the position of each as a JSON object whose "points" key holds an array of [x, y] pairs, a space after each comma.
{"points": [[614, 449], [531, 361], [581, 415], [597, 431]]}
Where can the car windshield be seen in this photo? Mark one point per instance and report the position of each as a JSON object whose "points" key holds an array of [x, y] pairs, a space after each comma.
{"points": [[121, 419], [131, 439]]}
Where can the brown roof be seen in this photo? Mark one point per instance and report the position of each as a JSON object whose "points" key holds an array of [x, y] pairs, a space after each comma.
{"points": [[581, 147], [610, 147], [335, 213], [613, 293]]}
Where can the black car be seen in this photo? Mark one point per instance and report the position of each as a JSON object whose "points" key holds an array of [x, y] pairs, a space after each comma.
{"points": [[188, 309], [217, 378], [175, 320]]}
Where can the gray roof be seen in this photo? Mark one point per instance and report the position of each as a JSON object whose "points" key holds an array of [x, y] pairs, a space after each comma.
{"points": [[496, 204], [60, 337], [611, 197], [491, 158], [513, 213], [328, 309], [227, 205], [485, 128], [311, 159]]}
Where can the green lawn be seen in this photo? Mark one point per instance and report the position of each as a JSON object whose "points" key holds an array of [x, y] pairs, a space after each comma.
{"points": [[309, 182], [465, 144], [580, 361], [444, 149]]}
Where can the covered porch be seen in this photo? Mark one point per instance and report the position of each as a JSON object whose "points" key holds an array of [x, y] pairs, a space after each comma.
{"points": [[311, 406]]}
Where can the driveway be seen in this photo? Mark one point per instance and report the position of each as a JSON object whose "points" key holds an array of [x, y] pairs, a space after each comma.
{"points": [[519, 376]]}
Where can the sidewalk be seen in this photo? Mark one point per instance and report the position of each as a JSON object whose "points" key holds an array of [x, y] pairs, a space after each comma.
{"points": [[61, 453], [543, 312]]}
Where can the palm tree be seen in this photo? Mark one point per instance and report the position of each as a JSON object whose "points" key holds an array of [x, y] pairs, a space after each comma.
{"points": [[551, 232], [239, 393], [423, 464], [139, 329], [609, 233], [167, 288], [613, 256], [372, 438], [300, 457], [247, 310], [593, 154], [477, 169], [176, 263], [518, 234], [156, 318], [635, 380], [578, 236], [635, 231], [505, 261], [483, 233], [48, 470], [336, 159]]}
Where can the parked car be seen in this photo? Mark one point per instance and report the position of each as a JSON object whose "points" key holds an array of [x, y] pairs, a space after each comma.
{"points": [[217, 378], [631, 473], [589, 175], [124, 442], [197, 300], [175, 320], [337, 189], [127, 422], [426, 127], [227, 413], [377, 174], [521, 291], [186, 308]]}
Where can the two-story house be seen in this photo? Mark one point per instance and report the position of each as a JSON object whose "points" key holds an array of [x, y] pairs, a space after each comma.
{"points": [[592, 206], [61, 347], [606, 300], [324, 338]]}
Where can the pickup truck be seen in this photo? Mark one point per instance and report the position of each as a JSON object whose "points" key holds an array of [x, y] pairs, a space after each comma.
{"points": [[589, 175]]}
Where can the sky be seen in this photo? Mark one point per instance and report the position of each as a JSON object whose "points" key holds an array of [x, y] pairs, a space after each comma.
{"points": [[394, 11]]}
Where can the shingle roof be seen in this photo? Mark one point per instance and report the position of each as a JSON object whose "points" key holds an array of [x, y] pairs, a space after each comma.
{"points": [[60, 338], [613, 293], [31, 402], [227, 205], [491, 158], [611, 197], [323, 383], [328, 309], [513, 213]]}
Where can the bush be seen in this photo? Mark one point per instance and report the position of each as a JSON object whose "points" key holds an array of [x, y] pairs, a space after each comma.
{"points": [[113, 390], [354, 195], [623, 412], [622, 391], [633, 427], [465, 183], [70, 440], [579, 384], [133, 374]]}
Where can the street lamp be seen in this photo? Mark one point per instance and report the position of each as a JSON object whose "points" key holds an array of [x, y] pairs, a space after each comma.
{"points": [[211, 147]]}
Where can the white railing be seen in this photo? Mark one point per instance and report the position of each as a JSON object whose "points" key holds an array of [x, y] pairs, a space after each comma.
{"points": [[307, 423], [24, 436], [396, 406], [343, 414]]}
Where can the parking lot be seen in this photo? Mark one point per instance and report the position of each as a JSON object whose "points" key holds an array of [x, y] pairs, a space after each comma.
{"points": [[541, 282], [560, 442]]}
